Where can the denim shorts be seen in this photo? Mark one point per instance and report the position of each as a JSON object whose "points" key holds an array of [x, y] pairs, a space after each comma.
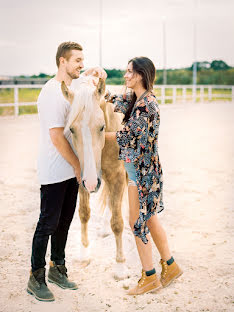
{"points": [[131, 171]]}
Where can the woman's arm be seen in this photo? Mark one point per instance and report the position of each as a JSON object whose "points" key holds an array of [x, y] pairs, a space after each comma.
{"points": [[120, 101]]}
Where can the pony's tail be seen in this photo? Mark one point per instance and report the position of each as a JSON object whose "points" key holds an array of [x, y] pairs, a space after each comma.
{"points": [[104, 197], [105, 192]]}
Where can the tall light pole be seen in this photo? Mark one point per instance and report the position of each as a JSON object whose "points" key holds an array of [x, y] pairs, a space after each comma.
{"points": [[100, 33], [195, 45], [164, 51], [194, 52]]}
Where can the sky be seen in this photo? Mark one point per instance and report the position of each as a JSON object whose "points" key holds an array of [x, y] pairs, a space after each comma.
{"points": [[30, 32]]}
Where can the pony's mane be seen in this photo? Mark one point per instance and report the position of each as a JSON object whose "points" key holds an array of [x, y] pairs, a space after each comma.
{"points": [[83, 100]]}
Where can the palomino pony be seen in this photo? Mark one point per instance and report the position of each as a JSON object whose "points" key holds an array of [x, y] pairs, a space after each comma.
{"points": [[89, 118]]}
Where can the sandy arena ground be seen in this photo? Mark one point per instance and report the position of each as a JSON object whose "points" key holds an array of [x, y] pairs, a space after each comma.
{"points": [[197, 154]]}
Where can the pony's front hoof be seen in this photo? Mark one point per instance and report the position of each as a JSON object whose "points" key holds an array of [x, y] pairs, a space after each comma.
{"points": [[120, 271], [84, 254], [120, 259], [104, 232]]}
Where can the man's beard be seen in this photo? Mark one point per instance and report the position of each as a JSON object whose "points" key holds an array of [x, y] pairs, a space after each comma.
{"points": [[72, 75]]}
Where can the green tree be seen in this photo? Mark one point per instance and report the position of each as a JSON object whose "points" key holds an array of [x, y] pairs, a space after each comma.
{"points": [[200, 65], [219, 65], [114, 73]]}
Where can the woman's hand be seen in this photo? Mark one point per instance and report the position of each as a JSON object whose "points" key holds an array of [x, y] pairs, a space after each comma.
{"points": [[97, 72]]}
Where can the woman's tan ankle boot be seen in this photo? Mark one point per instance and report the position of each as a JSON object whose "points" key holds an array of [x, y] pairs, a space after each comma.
{"points": [[169, 272], [146, 284]]}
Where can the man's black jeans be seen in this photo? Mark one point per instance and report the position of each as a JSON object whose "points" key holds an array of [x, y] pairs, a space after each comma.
{"points": [[58, 203]]}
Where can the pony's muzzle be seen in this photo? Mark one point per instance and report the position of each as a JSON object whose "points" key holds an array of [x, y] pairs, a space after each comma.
{"points": [[96, 188]]}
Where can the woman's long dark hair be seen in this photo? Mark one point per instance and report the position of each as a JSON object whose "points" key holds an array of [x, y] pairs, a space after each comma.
{"points": [[144, 67]]}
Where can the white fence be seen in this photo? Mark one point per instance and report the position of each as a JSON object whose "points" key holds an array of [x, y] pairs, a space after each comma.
{"points": [[165, 93]]}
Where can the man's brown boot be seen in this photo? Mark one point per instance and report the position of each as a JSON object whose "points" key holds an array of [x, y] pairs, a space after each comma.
{"points": [[146, 284], [58, 275], [37, 286], [169, 272]]}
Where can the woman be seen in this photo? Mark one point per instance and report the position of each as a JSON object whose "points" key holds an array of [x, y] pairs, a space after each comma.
{"points": [[138, 142]]}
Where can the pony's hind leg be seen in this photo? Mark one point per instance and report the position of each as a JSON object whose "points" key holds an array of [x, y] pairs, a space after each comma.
{"points": [[105, 227], [115, 201], [84, 213], [116, 191], [117, 228]]}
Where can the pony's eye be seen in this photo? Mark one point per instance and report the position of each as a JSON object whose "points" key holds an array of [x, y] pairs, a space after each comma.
{"points": [[72, 130], [102, 128]]}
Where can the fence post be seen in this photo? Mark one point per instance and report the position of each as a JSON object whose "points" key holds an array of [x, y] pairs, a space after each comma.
{"points": [[16, 100], [210, 93], [184, 94], [201, 94], [163, 94], [194, 93], [174, 95]]}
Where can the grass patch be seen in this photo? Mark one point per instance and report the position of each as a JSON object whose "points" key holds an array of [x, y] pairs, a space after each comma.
{"points": [[7, 111], [29, 109], [26, 109], [222, 91], [221, 94], [25, 95], [31, 95], [168, 101], [6, 95], [28, 95]]}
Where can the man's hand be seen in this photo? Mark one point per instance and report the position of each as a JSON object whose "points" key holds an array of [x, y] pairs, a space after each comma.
{"points": [[78, 174], [97, 72]]}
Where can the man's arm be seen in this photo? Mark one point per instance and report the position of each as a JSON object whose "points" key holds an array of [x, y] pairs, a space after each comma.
{"points": [[64, 148]]}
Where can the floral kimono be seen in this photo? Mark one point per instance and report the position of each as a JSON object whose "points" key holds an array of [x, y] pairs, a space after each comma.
{"points": [[138, 142]]}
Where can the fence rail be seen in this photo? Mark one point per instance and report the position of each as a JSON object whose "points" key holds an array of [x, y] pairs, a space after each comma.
{"points": [[165, 93]]}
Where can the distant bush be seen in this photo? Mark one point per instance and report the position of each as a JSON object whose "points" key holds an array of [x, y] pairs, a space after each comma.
{"points": [[216, 72], [175, 76], [115, 81], [219, 65], [41, 75], [204, 76], [114, 73]]}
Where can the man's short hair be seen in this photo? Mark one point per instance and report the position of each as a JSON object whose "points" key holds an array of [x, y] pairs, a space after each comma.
{"points": [[64, 50]]}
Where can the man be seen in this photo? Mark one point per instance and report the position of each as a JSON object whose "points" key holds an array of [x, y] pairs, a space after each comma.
{"points": [[59, 172]]}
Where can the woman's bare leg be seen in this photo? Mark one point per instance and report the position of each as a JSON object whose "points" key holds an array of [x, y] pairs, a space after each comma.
{"points": [[144, 250], [156, 230], [159, 237]]}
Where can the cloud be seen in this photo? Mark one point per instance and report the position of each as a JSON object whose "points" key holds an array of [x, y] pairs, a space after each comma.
{"points": [[30, 31], [7, 44]]}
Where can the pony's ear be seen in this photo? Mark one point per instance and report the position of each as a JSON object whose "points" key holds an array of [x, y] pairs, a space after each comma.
{"points": [[100, 90], [68, 94]]}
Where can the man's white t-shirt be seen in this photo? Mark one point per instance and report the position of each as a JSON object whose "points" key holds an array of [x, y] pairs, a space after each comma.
{"points": [[53, 110]]}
